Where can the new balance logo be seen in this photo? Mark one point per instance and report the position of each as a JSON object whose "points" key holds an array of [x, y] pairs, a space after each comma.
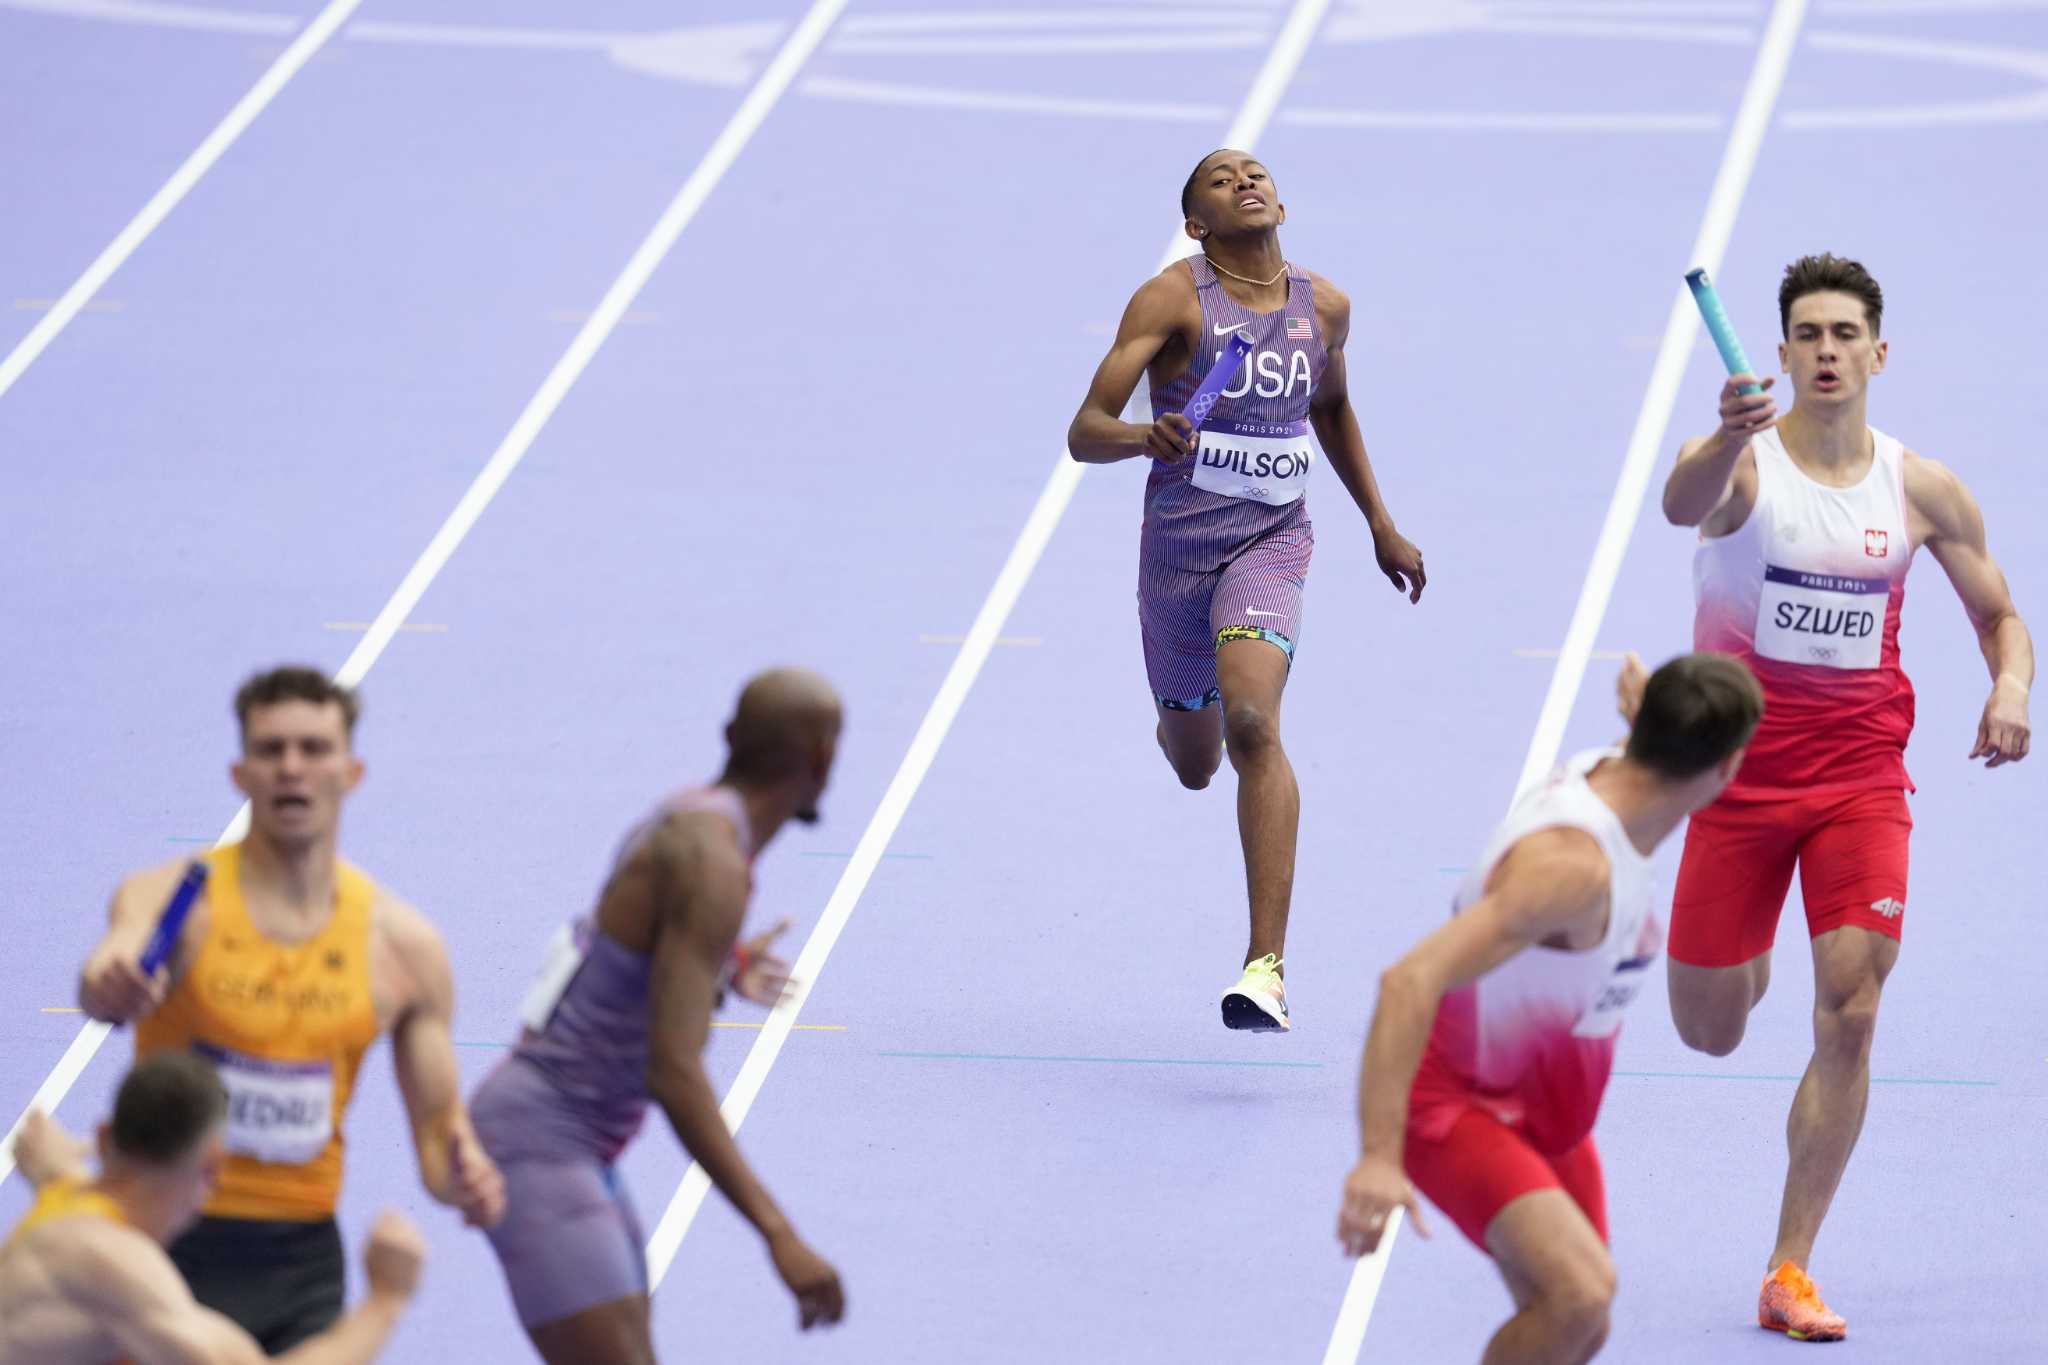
{"points": [[1889, 908]]}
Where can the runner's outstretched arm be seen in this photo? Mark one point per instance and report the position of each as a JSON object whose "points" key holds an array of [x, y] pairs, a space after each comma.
{"points": [[1551, 882]]}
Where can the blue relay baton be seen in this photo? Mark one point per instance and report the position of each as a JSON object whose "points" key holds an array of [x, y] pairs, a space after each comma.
{"points": [[1220, 374], [1719, 328], [172, 920]]}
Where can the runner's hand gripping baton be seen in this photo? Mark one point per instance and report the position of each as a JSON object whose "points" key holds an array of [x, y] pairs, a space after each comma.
{"points": [[172, 920], [1719, 328], [1220, 374]]}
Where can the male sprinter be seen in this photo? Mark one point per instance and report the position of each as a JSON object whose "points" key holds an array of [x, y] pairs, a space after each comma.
{"points": [[1224, 552], [84, 1280], [620, 1013], [1807, 526], [289, 966], [1493, 1038]]}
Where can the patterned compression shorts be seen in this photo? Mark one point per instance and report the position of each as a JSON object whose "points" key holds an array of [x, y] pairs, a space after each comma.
{"points": [[1186, 615]]}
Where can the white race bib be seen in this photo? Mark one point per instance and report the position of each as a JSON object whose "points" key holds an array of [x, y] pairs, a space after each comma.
{"points": [[280, 1112], [1821, 619], [1258, 461], [566, 951], [1619, 991]]}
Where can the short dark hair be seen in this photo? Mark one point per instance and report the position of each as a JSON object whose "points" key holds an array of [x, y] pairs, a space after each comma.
{"points": [[296, 682], [1187, 191], [1697, 709], [169, 1101], [1829, 274]]}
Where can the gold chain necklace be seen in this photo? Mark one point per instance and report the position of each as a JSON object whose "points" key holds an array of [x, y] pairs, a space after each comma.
{"points": [[1246, 278]]}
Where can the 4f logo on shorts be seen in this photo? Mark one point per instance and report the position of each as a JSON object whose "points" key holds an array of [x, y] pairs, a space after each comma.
{"points": [[1876, 544], [1889, 907]]}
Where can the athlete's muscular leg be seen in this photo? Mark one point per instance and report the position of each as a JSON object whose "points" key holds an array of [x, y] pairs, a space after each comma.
{"points": [[1732, 879], [1252, 674], [615, 1332], [1711, 1005], [1562, 1278], [1193, 743], [1850, 965]]}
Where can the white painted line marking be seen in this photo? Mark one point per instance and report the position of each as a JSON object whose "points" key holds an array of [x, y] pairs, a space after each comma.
{"points": [[90, 305], [176, 188], [1267, 87], [1745, 143], [635, 317], [1738, 160], [1364, 1291], [999, 101], [962, 639]]}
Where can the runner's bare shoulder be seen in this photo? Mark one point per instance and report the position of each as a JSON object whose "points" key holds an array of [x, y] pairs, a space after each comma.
{"points": [[105, 1268], [1333, 309], [1930, 484], [1168, 298], [136, 1297], [691, 862]]}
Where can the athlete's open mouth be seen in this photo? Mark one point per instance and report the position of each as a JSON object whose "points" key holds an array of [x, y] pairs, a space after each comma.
{"points": [[1826, 377], [1251, 201], [293, 802]]}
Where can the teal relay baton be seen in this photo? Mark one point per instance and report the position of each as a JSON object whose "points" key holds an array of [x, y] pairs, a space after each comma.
{"points": [[1719, 328]]}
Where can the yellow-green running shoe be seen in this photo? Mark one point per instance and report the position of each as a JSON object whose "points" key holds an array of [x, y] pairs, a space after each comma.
{"points": [[1259, 999]]}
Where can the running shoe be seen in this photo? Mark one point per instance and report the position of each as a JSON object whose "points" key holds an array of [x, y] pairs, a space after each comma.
{"points": [[1790, 1303], [1259, 1000]]}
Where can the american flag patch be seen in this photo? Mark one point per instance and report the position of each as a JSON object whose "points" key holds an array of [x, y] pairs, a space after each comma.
{"points": [[1298, 330]]}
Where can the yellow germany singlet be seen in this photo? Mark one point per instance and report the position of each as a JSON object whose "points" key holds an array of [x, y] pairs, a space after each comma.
{"points": [[287, 1025], [65, 1199]]}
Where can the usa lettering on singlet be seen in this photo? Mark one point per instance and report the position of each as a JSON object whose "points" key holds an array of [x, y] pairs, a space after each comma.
{"points": [[1257, 444], [1808, 592]]}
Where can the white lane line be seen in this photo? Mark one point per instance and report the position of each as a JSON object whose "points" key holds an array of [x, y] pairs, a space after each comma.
{"points": [[753, 111], [91, 305], [176, 188], [962, 639], [1257, 111], [1738, 161], [1653, 419]]}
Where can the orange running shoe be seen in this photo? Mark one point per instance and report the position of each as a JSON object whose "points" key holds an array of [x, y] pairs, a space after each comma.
{"points": [[1790, 1303]]}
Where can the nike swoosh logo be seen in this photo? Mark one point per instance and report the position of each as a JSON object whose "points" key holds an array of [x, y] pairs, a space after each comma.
{"points": [[1225, 331], [1254, 611]]}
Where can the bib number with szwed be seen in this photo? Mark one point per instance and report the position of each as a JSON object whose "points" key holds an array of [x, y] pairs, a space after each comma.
{"points": [[1821, 619], [1258, 461], [278, 1111], [566, 951]]}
